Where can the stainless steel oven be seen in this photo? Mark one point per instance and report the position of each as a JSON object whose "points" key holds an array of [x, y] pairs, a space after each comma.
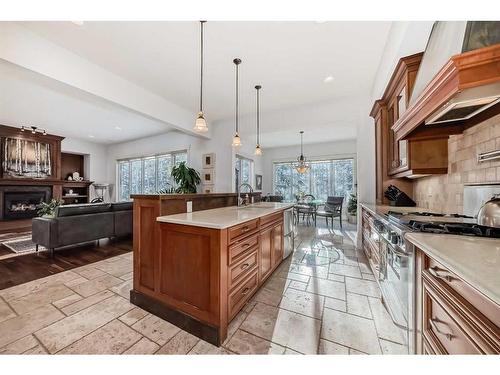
{"points": [[396, 278]]}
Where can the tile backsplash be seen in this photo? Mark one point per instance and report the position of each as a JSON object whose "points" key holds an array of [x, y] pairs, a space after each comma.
{"points": [[444, 193]]}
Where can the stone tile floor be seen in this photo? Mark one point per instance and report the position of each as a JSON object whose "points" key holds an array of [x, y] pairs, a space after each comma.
{"points": [[322, 299]]}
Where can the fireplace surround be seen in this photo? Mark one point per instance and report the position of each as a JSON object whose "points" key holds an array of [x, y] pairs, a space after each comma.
{"points": [[21, 202]]}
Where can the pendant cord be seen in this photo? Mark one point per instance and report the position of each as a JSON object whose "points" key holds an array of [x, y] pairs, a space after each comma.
{"points": [[201, 66], [258, 117], [237, 101]]}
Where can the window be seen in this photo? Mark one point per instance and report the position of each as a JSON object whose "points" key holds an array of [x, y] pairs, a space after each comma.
{"points": [[147, 175], [243, 171], [333, 177]]}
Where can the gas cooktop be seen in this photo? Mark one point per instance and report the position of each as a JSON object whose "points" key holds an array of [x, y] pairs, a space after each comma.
{"points": [[431, 222], [464, 229]]}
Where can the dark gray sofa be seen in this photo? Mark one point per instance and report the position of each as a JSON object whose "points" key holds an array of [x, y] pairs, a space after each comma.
{"points": [[77, 223]]}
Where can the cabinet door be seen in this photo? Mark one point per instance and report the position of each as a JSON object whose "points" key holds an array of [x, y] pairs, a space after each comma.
{"points": [[266, 247], [277, 243]]}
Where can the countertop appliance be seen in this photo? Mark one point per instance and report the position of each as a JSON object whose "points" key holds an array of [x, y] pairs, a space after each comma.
{"points": [[289, 233]]}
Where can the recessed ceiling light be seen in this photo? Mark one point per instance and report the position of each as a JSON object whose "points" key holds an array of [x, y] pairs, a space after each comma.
{"points": [[91, 136], [328, 79], [78, 23], [118, 128]]}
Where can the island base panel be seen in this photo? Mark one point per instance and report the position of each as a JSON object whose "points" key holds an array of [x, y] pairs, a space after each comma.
{"points": [[183, 321]]}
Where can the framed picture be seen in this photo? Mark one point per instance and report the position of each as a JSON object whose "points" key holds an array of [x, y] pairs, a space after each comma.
{"points": [[258, 182], [209, 160], [208, 189], [208, 176]]}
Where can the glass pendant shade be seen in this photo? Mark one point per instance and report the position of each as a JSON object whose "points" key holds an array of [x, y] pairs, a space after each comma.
{"points": [[258, 150], [236, 140], [200, 126]]}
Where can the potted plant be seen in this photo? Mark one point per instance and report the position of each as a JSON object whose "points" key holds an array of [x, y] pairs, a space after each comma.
{"points": [[352, 209], [185, 178], [48, 209]]}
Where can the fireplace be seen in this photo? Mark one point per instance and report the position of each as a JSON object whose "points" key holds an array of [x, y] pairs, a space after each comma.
{"points": [[21, 202]]}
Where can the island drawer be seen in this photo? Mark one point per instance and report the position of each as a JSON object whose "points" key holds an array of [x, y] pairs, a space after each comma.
{"points": [[243, 268], [443, 328], [441, 275], [241, 247], [241, 230], [269, 219], [240, 295]]}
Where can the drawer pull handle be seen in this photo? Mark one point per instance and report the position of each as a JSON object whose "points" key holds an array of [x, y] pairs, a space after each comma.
{"points": [[245, 266], [245, 291], [432, 323], [245, 245], [434, 271]]}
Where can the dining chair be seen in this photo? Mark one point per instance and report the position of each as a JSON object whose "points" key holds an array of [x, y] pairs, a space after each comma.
{"points": [[332, 209], [307, 209]]}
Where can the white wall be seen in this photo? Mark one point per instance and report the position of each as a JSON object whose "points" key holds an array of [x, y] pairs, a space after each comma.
{"points": [[220, 144], [313, 151], [95, 156]]}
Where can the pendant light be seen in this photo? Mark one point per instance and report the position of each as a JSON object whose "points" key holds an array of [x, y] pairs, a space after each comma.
{"points": [[258, 150], [301, 166], [236, 138], [200, 125]]}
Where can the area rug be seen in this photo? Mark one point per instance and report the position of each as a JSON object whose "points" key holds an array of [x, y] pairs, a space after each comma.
{"points": [[22, 245]]}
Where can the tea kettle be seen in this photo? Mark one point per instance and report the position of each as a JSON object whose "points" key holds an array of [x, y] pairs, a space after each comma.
{"points": [[489, 213]]}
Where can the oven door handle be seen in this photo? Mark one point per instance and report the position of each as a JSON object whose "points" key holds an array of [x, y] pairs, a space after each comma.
{"points": [[397, 252]]}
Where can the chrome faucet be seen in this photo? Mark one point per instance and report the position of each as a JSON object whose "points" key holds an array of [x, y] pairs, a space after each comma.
{"points": [[245, 201]]}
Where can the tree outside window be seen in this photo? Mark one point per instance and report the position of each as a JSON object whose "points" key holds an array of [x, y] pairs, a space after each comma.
{"points": [[147, 175], [332, 177]]}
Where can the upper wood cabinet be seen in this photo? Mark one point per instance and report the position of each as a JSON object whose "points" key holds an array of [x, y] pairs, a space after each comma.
{"points": [[404, 157]]}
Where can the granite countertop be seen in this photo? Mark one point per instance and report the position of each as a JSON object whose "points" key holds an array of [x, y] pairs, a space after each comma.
{"points": [[475, 260], [225, 217]]}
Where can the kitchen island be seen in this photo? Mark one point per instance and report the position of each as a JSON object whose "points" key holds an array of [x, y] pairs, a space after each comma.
{"points": [[207, 264]]}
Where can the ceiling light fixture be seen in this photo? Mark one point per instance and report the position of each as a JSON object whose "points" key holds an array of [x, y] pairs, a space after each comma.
{"points": [[200, 125], [258, 150], [236, 138], [33, 130], [91, 136], [328, 79], [118, 128], [301, 166]]}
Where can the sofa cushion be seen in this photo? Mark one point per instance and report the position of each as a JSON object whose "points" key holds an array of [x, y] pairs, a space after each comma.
{"points": [[121, 206], [82, 228], [123, 223], [81, 209]]}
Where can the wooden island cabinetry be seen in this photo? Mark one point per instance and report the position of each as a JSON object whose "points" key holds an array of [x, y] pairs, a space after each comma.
{"points": [[200, 276]]}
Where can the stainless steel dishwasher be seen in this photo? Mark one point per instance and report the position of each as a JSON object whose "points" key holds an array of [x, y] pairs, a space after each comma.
{"points": [[289, 233]]}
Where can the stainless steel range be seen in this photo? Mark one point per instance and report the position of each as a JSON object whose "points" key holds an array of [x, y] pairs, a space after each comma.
{"points": [[397, 266]]}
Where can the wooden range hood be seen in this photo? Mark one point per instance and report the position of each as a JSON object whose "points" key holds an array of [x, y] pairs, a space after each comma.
{"points": [[467, 70]]}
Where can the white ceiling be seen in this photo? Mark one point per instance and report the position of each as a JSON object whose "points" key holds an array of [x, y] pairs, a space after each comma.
{"points": [[29, 98], [290, 60]]}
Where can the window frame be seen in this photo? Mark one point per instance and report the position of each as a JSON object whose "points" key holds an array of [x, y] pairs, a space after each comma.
{"points": [[156, 156], [331, 177], [237, 176]]}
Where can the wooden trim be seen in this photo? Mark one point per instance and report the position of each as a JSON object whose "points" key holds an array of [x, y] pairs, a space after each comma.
{"points": [[466, 70]]}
